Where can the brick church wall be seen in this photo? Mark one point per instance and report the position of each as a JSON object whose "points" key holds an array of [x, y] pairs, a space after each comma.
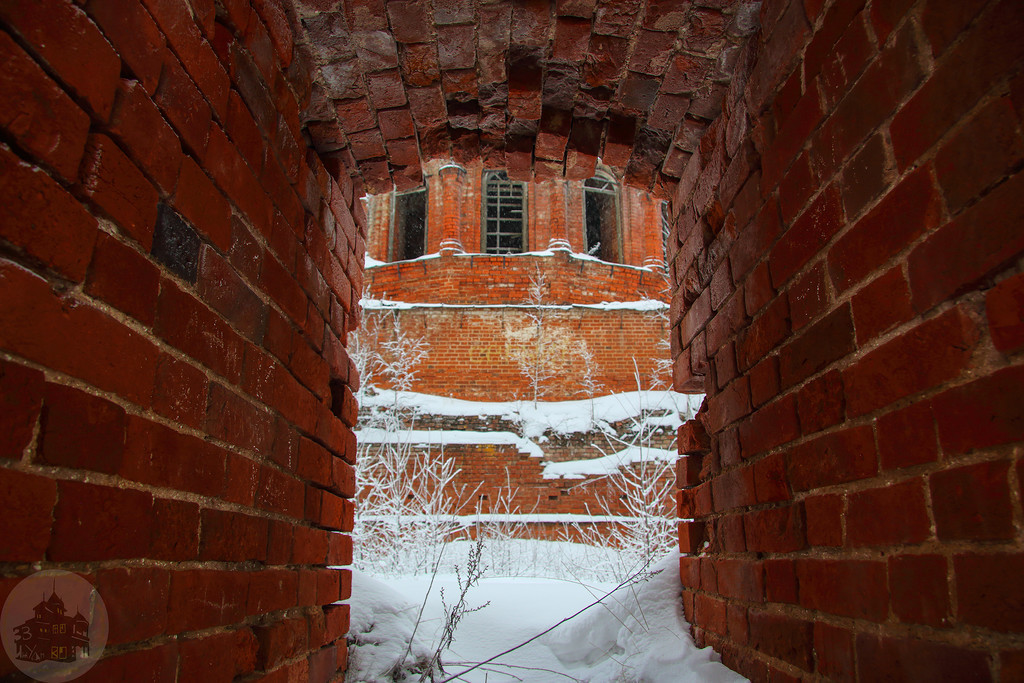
{"points": [[177, 283], [846, 257], [471, 352]]}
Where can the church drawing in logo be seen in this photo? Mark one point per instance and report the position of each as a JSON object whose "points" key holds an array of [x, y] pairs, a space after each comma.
{"points": [[52, 634]]}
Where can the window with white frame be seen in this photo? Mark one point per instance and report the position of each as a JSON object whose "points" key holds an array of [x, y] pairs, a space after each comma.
{"points": [[504, 209]]}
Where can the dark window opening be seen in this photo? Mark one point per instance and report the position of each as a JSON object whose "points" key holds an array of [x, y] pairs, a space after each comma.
{"points": [[601, 215], [409, 235], [504, 225]]}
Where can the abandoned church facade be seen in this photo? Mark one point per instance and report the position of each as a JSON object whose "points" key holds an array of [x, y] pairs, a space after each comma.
{"points": [[551, 290], [182, 253]]}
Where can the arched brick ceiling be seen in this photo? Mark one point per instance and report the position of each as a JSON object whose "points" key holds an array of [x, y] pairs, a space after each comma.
{"points": [[534, 86]]}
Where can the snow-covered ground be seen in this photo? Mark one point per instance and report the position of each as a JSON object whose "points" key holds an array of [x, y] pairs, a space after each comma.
{"points": [[558, 417], [633, 633]]}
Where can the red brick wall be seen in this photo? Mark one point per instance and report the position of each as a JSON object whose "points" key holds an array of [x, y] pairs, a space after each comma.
{"points": [[176, 286], [471, 351], [847, 258]]}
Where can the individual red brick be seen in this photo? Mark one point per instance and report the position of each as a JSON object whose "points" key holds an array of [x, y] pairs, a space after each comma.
{"points": [[730, 405], [180, 392], [136, 602], [976, 243], [235, 420], [740, 579], [280, 493], [824, 515], [160, 456], [39, 116], [734, 489], [110, 180], [134, 35], [770, 479], [36, 324], [783, 637], [764, 381], [986, 595], [820, 402], [775, 530], [825, 342], [152, 664], [989, 412], [65, 39], [81, 431], [711, 613], [808, 296], [178, 522], [906, 437], [203, 205], [903, 658], [695, 502], [834, 649], [935, 351], [691, 537], [101, 523], [973, 502], [279, 641], [189, 326], [183, 104], [850, 588], [43, 219], [882, 305], [834, 458], [692, 438], [21, 397], [764, 333], [920, 594], [26, 503], [271, 590], [203, 598], [218, 657], [770, 426], [123, 278], [891, 515], [780, 581], [1004, 308], [232, 537]]}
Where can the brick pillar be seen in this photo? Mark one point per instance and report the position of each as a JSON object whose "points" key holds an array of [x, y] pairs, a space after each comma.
{"points": [[451, 208], [557, 224]]}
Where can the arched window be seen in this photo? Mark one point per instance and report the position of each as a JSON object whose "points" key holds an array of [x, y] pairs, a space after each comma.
{"points": [[504, 214], [409, 225], [601, 216]]}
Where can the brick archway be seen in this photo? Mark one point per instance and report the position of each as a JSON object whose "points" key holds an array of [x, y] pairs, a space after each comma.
{"points": [[537, 88], [182, 242]]}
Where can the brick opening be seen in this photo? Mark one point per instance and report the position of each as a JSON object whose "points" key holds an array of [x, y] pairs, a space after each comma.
{"points": [[181, 263]]}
